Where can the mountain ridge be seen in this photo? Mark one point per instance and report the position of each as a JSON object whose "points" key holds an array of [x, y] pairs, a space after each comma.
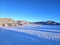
{"points": [[12, 22]]}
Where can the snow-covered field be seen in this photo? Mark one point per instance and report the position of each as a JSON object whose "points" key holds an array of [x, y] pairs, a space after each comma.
{"points": [[30, 35]]}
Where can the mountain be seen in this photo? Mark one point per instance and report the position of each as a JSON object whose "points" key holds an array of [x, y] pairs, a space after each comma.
{"points": [[10, 22], [7, 22], [47, 23]]}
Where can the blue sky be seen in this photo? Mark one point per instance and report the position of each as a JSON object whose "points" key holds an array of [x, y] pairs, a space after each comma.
{"points": [[30, 10]]}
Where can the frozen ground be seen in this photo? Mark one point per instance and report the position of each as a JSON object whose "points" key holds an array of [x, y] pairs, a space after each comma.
{"points": [[30, 35]]}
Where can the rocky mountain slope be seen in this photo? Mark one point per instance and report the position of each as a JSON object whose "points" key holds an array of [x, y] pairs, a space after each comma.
{"points": [[11, 22]]}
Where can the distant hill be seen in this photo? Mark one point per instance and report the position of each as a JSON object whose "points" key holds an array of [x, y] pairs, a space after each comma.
{"points": [[10, 22], [47, 23]]}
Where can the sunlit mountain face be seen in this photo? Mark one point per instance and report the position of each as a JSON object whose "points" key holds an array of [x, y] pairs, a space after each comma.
{"points": [[30, 35]]}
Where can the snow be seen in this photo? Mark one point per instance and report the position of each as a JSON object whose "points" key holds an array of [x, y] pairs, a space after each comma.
{"points": [[26, 35]]}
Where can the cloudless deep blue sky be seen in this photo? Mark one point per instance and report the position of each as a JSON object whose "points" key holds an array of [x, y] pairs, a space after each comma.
{"points": [[30, 10]]}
